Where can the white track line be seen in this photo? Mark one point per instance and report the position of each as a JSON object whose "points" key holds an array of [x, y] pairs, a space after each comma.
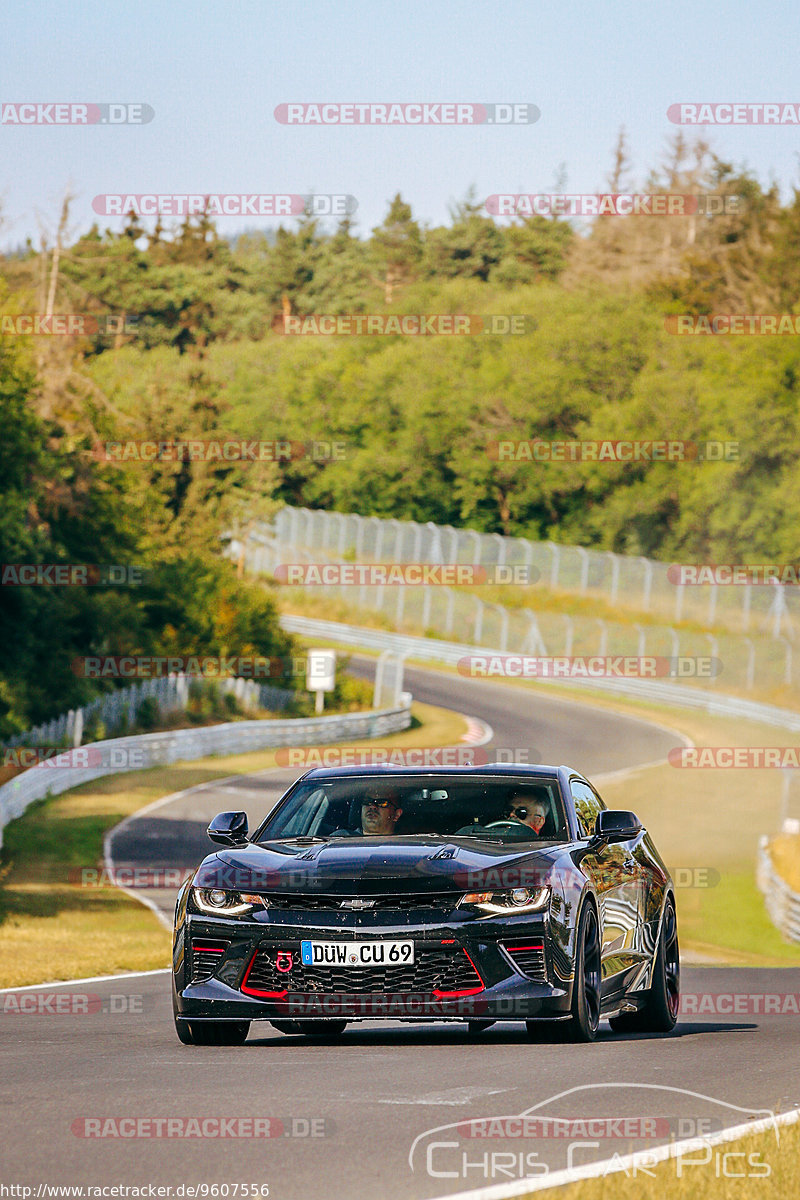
{"points": [[36, 987], [108, 860]]}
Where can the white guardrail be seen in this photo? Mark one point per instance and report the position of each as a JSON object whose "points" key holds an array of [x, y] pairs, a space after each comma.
{"points": [[434, 650], [116, 755], [783, 905]]}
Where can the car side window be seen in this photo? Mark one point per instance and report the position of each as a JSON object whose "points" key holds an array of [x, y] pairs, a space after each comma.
{"points": [[587, 806]]}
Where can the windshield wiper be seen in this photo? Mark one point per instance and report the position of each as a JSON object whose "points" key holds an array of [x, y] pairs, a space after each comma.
{"points": [[480, 837], [304, 839]]}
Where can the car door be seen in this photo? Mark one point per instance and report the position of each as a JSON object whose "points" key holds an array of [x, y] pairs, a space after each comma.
{"points": [[618, 881]]}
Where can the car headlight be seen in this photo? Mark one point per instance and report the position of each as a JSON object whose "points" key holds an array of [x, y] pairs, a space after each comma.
{"points": [[511, 901], [225, 904]]}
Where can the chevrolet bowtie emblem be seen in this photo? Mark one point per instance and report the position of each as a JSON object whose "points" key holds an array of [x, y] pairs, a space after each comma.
{"points": [[357, 903]]}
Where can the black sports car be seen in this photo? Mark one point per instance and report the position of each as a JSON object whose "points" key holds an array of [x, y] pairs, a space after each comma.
{"points": [[463, 894]]}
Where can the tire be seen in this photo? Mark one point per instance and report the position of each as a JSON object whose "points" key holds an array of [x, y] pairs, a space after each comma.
{"points": [[585, 1008], [212, 1033], [478, 1025], [319, 1027], [219, 1033], [208, 1033], [659, 1013], [184, 1032]]}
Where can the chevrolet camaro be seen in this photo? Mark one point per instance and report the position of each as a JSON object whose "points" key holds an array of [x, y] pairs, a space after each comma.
{"points": [[472, 894]]}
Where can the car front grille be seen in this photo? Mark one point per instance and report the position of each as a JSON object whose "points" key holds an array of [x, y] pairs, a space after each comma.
{"points": [[527, 955], [438, 970], [206, 956], [403, 903]]}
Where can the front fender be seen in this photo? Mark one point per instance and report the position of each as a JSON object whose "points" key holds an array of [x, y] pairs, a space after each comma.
{"points": [[179, 936]]}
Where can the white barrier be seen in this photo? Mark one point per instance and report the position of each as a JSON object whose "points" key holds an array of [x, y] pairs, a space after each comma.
{"points": [[435, 650], [74, 767], [783, 905]]}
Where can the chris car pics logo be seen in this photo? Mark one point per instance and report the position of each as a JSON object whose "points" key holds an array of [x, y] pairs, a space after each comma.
{"points": [[595, 1130]]}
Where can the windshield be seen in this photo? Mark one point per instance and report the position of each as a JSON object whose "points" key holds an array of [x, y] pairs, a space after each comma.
{"points": [[495, 808]]}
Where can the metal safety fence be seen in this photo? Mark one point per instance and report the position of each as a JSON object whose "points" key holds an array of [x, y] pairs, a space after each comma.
{"points": [[631, 581], [119, 710], [714, 658]]}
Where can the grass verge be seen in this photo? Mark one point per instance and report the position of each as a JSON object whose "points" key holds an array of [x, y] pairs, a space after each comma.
{"points": [[51, 929]]}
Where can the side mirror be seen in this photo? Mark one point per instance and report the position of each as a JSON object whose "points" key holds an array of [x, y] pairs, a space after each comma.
{"points": [[229, 829], [617, 825]]}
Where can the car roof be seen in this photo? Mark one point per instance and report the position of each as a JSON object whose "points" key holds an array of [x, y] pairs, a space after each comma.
{"points": [[385, 770]]}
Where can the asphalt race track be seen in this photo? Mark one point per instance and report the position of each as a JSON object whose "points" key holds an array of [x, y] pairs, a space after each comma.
{"points": [[343, 1116]]}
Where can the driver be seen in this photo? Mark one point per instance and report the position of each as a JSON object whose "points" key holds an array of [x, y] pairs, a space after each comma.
{"points": [[380, 812], [528, 811]]}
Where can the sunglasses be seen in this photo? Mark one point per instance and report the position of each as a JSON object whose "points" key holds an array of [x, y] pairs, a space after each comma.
{"points": [[371, 802], [524, 815]]}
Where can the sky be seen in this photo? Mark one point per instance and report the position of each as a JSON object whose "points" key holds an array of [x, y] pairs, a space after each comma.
{"points": [[214, 73]]}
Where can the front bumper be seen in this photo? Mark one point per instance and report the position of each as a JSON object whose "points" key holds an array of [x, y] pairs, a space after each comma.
{"points": [[465, 970]]}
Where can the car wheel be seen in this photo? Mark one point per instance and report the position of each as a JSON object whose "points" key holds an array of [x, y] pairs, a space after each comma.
{"points": [[212, 1033], [315, 1028], [478, 1025], [585, 1007], [659, 1012], [184, 1032]]}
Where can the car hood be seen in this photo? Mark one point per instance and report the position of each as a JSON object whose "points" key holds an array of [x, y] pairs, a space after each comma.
{"points": [[371, 865]]}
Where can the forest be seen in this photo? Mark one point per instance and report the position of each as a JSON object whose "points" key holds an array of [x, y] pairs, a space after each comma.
{"points": [[169, 332]]}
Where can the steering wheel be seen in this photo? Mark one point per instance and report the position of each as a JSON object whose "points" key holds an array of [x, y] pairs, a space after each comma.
{"points": [[507, 824]]}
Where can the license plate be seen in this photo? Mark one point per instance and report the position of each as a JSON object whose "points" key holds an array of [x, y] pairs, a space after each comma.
{"points": [[357, 954]]}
